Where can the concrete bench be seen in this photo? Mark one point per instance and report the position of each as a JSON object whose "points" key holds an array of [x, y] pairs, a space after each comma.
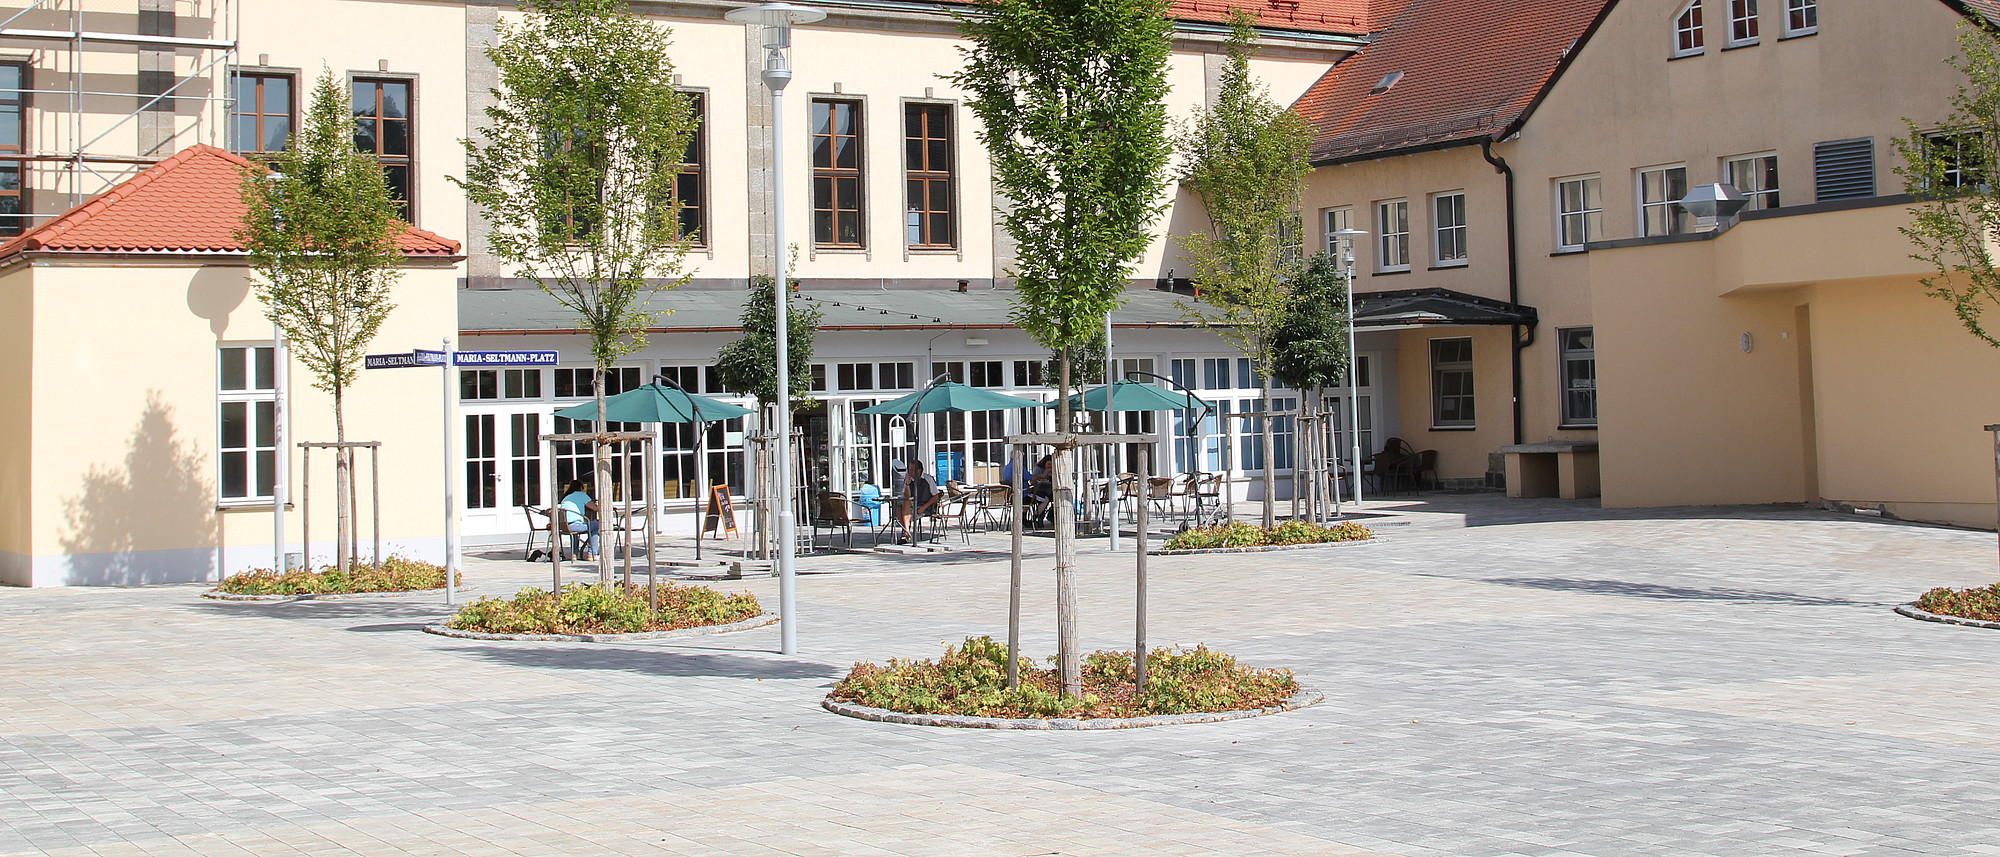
{"points": [[1561, 468]]}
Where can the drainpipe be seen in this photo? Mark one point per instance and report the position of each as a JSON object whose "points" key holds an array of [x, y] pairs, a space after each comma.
{"points": [[1513, 282]]}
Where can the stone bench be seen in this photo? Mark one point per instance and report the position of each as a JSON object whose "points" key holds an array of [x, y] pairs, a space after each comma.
{"points": [[1560, 468]]}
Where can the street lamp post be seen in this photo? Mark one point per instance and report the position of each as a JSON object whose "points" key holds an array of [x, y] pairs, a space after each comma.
{"points": [[1353, 372], [777, 20]]}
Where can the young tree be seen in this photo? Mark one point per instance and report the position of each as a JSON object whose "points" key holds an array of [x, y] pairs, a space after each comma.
{"points": [[1309, 354], [576, 173], [321, 234], [1950, 170], [750, 364], [1070, 94], [1245, 157]]}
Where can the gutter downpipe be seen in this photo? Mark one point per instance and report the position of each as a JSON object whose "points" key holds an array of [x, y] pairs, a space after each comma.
{"points": [[1513, 282]]}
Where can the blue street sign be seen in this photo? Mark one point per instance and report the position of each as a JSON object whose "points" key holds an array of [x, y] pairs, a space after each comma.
{"points": [[406, 360], [507, 358]]}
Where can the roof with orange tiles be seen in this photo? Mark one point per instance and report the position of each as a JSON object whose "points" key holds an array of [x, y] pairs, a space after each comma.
{"points": [[1445, 72], [188, 203], [1324, 16]]}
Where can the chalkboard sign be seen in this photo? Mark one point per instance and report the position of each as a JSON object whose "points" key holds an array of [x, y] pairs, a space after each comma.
{"points": [[721, 516]]}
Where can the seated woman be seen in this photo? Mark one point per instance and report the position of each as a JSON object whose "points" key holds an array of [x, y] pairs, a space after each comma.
{"points": [[1039, 494], [580, 515]]}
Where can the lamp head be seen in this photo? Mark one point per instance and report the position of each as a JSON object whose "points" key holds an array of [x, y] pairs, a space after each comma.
{"points": [[777, 20]]}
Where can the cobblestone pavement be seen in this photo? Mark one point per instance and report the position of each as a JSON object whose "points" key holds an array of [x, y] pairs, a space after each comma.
{"points": [[1502, 678]]}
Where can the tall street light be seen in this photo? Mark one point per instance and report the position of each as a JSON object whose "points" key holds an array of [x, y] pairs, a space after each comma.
{"points": [[1348, 237], [777, 20]]}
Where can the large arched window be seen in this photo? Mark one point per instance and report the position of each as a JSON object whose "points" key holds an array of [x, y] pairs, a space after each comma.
{"points": [[1687, 30]]}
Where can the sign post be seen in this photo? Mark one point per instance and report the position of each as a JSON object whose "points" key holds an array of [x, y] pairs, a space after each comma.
{"points": [[444, 359]]}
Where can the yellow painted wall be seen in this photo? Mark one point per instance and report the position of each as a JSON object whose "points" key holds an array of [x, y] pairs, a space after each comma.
{"points": [[127, 488], [17, 338], [1461, 453]]}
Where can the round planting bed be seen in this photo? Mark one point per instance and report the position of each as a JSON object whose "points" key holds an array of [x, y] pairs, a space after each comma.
{"points": [[758, 621], [1299, 700], [220, 595], [1912, 611]]}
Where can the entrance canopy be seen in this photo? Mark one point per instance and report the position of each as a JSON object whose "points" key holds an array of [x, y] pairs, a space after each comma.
{"points": [[656, 403], [1412, 308]]}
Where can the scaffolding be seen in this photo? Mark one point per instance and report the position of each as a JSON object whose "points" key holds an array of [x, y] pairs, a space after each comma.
{"points": [[70, 122]]}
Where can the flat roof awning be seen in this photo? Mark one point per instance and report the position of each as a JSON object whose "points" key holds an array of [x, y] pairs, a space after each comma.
{"points": [[1414, 308]]}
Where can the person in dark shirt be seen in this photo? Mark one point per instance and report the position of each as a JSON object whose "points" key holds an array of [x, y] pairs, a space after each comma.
{"points": [[920, 493]]}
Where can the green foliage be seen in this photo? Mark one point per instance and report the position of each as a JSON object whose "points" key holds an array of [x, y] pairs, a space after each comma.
{"points": [[577, 168], [1242, 534], [1309, 348], [1950, 169], [750, 364], [1983, 603], [395, 574], [971, 679], [1245, 157], [321, 234], [1071, 96], [604, 609]]}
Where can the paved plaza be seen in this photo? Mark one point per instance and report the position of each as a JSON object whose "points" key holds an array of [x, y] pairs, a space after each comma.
{"points": [[1501, 678]]}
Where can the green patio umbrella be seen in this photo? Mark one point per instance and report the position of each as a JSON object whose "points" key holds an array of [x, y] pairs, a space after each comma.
{"points": [[949, 397], [656, 403], [1130, 395]]}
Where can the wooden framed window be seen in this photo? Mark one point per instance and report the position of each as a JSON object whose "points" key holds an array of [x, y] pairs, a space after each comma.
{"points": [[1660, 193], [384, 113], [13, 141], [1687, 30], [837, 166], [927, 140], [1451, 383], [691, 185], [261, 115], [1743, 22], [1579, 211]]}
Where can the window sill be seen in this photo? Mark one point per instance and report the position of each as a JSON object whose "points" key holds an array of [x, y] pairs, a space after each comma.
{"points": [[1570, 251], [247, 506], [1591, 427], [1454, 428], [1740, 45], [1390, 272], [933, 251], [844, 249], [1686, 56], [1799, 35], [1446, 266]]}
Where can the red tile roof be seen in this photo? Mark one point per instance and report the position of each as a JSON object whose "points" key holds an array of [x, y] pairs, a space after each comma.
{"points": [[1470, 68], [188, 203], [1323, 16]]}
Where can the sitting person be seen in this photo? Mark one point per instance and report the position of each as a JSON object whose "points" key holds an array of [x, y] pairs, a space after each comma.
{"points": [[1039, 495], [580, 515], [920, 493]]}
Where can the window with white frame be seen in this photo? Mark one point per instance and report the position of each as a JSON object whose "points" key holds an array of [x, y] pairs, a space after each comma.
{"points": [[1801, 17], [1448, 228], [1742, 22], [1337, 220], [1687, 30], [1392, 228], [247, 422], [1579, 376], [1660, 193], [1451, 383], [1579, 211], [1756, 176]]}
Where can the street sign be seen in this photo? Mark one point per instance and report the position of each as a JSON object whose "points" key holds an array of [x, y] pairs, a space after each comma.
{"points": [[408, 359], [507, 358]]}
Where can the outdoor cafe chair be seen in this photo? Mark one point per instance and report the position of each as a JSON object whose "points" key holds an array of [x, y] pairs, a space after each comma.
{"points": [[1161, 490], [995, 504], [538, 533], [632, 528], [952, 509], [835, 511]]}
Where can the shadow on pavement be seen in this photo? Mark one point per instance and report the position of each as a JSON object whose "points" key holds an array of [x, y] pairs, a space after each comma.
{"points": [[653, 662], [1678, 593]]}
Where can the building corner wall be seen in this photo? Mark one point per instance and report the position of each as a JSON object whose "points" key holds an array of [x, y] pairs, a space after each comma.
{"points": [[17, 340]]}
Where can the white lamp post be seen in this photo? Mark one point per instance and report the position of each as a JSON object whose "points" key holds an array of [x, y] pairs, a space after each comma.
{"points": [[777, 20], [1348, 237]]}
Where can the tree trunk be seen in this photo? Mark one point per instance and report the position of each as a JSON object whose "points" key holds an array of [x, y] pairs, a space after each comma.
{"points": [[601, 466], [343, 489], [1269, 442], [1069, 661]]}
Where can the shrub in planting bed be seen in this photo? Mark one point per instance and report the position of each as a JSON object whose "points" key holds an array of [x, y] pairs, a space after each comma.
{"points": [[605, 609], [395, 574], [971, 680], [1242, 534], [1983, 603]]}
